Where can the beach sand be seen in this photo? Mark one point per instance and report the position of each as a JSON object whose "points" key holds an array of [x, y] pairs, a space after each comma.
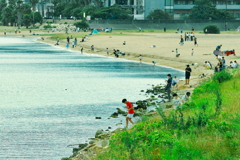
{"points": [[164, 52]]}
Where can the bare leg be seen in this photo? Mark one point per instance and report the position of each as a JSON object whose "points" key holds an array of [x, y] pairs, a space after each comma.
{"points": [[126, 122], [131, 120]]}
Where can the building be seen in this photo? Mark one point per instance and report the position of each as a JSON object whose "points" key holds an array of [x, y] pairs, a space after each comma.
{"points": [[178, 8]]}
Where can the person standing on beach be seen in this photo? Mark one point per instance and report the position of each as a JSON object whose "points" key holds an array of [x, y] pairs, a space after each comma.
{"points": [[67, 45], [5, 32], [164, 29], [82, 50], [68, 39], [177, 54], [107, 51], [130, 111], [140, 58], [72, 44], [92, 48], [168, 86], [195, 41], [188, 71], [75, 42], [192, 52]]}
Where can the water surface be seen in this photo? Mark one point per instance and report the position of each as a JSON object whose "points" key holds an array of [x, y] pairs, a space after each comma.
{"points": [[49, 96]]}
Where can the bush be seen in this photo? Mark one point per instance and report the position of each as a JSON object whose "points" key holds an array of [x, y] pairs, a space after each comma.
{"points": [[65, 22], [222, 76], [82, 24], [47, 26], [212, 29]]}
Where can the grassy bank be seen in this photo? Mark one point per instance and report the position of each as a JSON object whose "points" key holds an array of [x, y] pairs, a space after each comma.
{"points": [[206, 128]]}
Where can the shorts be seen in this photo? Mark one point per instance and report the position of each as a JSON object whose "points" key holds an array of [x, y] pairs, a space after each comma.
{"points": [[187, 76], [130, 115]]}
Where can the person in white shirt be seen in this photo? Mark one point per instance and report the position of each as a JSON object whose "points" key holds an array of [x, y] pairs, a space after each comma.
{"points": [[236, 64], [176, 101], [186, 97]]}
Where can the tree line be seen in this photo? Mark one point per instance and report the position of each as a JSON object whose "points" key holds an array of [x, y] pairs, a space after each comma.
{"points": [[18, 13]]}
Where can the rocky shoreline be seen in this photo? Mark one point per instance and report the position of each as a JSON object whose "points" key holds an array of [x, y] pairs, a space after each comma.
{"points": [[156, 97]]}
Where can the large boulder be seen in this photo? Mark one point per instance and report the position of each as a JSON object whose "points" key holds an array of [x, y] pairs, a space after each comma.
{"points": [[99, 132]]}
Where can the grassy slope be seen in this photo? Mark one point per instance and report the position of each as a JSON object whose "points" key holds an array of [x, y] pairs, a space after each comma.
{"points": [[206, 128]]}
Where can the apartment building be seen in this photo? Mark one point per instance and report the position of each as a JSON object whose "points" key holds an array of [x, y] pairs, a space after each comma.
{"points": [[178, 8], [182, 7]]}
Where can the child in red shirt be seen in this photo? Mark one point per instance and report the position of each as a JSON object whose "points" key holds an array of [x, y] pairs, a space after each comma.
{"points": [[130, 111]]}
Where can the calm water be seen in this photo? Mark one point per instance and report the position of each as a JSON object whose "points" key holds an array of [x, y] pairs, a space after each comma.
{"points": [[49, 96]]}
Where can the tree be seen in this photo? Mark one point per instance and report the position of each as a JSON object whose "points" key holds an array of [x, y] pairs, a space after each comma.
{"points": [[82, 24], [37, 17], [159, 14], [3, 4], [204, 10], [27, 20], [6, 14], [34, 3]]}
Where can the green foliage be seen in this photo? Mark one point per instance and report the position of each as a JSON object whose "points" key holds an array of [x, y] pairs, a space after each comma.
{"points": [[81, 24], [205, 10], [27, 20], [65, 22], [211, 120], [37, 17], [212, 29], [47, 26], [159, 14], [222, 76]]}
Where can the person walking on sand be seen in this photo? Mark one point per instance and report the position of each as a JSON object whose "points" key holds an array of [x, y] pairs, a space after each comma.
{"points": [[195, 41], [154, 62], [192, 52], [130, 111], [82, 50], [188, 71], [140, 58], [168, 86]]}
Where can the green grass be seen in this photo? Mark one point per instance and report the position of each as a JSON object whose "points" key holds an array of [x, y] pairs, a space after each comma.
{"points": [[206, 128]]}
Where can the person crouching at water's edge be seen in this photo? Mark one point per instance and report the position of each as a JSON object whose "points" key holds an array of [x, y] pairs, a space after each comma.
{"points": [[130, 111]]}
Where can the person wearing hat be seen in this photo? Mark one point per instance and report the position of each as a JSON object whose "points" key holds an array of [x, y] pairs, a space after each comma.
{"points": [[168, 86], [188, 71], [130, 111]]}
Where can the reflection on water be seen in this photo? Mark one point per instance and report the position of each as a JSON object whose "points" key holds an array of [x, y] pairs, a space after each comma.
{"points": [[49, 97]]}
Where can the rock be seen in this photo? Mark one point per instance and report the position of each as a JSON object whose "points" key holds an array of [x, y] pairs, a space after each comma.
{"points": [[81, 146], [102, 143], [117, 130], [114, 115], [142, 90], [109, 127], [121, 111], [99, 132], [151, 113], [92, 141], [168, 105], [98, 117]]}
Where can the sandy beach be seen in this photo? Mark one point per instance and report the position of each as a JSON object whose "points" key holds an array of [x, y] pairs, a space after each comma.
{"points": [[164, 52]]}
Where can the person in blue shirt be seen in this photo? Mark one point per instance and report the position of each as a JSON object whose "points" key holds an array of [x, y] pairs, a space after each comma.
{"points": [[218, 47]]}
